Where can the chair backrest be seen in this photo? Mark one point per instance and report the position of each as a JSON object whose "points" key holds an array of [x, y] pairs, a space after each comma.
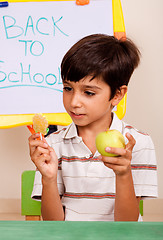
{"points": [[141, 207], [30, 208]]}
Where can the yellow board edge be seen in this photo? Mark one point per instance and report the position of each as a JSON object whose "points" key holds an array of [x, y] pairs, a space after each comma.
{"points": [[119, 31], [15, 120], [118, 19], [121, 108]]}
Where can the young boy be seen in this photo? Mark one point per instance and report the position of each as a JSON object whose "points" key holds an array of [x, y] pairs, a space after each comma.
{"points": [[73, 181]]}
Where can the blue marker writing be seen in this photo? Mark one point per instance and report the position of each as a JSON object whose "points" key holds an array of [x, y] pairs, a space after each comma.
{"points": [[3, 4]]}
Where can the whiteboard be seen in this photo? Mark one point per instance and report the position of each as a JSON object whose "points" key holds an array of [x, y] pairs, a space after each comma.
{"points": [[34, 36]]}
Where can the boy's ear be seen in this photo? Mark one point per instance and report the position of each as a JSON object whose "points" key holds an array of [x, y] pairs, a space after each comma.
{"points": [[119, 95]]}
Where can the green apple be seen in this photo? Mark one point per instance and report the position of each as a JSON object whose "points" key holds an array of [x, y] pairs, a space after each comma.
{"points": [[109, 138]]}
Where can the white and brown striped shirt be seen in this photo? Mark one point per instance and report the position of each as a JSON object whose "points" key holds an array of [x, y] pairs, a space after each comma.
{"points": [[87, 186]]}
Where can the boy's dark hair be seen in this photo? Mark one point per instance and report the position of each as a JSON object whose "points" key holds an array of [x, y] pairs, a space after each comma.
{"points": [[100, 55]]}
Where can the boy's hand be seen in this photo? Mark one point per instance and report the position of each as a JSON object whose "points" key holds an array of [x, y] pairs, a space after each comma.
{"points": [[44, 157], [121, 165]]}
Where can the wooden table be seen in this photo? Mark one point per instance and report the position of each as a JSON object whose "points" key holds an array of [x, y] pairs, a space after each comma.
{"points": [[41, 230]]}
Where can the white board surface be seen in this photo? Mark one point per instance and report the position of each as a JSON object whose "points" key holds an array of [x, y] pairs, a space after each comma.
{"points": [[34, 36]]}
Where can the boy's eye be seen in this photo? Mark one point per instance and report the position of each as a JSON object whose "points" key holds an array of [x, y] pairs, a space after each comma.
{"points": [[68, 89], [89, 93]]}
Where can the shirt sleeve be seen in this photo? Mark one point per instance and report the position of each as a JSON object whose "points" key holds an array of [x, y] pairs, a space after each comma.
{"points": [[144, 168], [37, 187]]}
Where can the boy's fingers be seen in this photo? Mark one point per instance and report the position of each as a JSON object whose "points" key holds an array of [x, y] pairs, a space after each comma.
{"points": [[38, 143], [112, 160], [38, 158], [52, 153], [44, 140], [41, 150], [117, 151], [131, 142], [35, 144], [34, 136]]}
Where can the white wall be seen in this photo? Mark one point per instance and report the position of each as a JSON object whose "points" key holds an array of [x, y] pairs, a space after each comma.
{"points": [[14, 159], [143, 21]]}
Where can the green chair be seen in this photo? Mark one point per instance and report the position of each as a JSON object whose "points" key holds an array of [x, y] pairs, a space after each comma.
{"points": [[141, 207], [31, 208]]}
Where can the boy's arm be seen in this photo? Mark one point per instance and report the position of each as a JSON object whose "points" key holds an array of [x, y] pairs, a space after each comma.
{"points": [[51, 206], [46, 161], [126, 203]]}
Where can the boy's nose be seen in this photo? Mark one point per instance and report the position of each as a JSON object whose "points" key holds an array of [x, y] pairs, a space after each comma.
{"points": [[76, 101]]}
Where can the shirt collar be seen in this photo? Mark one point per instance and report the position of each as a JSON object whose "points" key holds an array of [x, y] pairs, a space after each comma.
{"points": [[116, 123], [71, 131]]}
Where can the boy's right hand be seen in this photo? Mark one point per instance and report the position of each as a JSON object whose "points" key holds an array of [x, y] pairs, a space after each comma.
{"points": [[44, 157]]}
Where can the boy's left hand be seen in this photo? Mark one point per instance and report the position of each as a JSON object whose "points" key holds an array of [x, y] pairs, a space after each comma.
{"points": [[121, 164]]}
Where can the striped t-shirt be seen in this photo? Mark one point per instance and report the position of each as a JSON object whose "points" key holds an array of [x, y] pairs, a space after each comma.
{"points": [[86, 185]]}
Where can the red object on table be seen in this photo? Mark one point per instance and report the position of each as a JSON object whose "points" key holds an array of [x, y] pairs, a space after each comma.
{"points": [[82, 2], [33, 131]]}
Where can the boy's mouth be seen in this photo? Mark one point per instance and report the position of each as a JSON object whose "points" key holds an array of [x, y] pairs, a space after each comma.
{"points": [[76, 115]]}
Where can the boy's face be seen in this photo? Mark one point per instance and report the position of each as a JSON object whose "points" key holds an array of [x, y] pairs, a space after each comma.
{"points": [[87, 102]]}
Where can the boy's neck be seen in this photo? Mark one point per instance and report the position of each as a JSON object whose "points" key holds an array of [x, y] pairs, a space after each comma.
{"points": [[95, 128], [89, 133]]}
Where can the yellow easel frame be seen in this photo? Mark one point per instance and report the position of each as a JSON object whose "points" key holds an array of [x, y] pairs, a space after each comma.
{"points": [[14, 120]]}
